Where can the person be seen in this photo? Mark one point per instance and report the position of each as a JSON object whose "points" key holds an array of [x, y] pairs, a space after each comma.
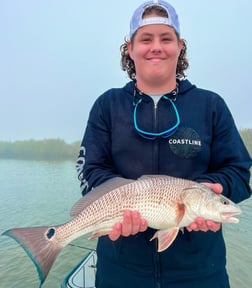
{"points": [[160, 123]]}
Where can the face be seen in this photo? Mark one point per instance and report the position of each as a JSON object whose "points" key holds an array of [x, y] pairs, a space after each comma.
{"points": [[155, 50]]}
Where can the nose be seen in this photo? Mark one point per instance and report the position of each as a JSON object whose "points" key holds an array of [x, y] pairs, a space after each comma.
{"points": [[156, 46]]}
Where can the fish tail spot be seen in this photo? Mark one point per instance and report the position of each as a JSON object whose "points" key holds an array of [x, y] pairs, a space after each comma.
{"points": [[50, 233]]}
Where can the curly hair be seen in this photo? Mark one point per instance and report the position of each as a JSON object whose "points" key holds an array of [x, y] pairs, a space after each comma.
{"points": [[128, 64]]}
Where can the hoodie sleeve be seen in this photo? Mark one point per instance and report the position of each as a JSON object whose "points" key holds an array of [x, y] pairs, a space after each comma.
{"points": [[230, 161], [95, 163]]}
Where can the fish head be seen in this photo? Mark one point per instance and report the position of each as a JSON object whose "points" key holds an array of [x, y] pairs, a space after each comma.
{"points": [[201, 201], [224, 208]]}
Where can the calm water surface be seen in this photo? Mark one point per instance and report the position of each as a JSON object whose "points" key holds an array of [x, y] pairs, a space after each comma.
{"points": [[42, 193]]}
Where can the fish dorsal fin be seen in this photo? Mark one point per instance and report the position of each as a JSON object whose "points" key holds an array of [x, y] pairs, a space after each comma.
{"points": [[149, 176], [156, 176], [98, 192]]}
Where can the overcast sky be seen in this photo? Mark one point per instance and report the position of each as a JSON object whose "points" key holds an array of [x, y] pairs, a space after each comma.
{"points": [[58, 56]]}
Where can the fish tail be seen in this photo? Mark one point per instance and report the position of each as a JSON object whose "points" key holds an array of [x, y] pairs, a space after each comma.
{"points": [[40, 245]]}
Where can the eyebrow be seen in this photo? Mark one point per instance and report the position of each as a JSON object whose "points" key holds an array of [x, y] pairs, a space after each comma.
{"points": [[162, 34]]}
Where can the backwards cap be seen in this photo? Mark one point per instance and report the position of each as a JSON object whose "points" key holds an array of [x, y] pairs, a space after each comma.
{"points": [[137, 20]]}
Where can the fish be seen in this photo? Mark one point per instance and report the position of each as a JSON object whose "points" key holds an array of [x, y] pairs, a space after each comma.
{"points": [[167, 203]]}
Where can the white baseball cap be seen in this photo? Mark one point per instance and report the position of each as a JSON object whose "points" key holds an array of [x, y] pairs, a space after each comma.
{"points": [[137, 20]]}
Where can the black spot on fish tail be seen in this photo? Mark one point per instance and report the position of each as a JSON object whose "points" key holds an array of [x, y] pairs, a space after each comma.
{"points": [[50, 233]]}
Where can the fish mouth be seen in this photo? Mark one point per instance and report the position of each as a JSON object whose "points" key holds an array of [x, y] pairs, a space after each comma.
{"points": [[229, 217]]}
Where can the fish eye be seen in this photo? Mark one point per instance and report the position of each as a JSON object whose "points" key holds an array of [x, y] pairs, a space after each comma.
{"points": [[224, 201]]}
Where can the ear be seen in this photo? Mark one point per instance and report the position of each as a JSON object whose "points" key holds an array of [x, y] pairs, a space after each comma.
{"points": [[130, 49], [180, 44]]}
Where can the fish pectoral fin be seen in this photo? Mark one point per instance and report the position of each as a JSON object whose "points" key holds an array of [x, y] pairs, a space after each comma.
{"points": [[180, 209], [165, 238]]}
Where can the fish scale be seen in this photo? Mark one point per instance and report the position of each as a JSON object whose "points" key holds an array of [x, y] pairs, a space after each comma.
{"points": [[167, 203]]}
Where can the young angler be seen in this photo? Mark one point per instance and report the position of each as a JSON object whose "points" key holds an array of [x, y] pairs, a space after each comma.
{"points": [[160, 123]]}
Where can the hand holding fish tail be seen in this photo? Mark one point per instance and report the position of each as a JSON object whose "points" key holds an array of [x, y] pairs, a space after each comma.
{"points": [[201, 224], [132, 224]]}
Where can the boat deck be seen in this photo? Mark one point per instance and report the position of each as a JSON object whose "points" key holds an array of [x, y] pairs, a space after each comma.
{"points": [[82, 275]]}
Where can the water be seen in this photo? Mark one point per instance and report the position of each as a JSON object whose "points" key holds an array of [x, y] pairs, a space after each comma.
{"points": [[42, 193]]}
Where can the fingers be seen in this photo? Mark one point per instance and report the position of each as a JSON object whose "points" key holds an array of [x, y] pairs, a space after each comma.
{"points": [[132, 224], [143, 225], [192, 227], [216, 187], [127, 224], [213, 226], [197, 225], [116, 232], [200, 224]]}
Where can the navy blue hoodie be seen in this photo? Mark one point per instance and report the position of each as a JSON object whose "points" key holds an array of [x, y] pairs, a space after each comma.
{"points": [[206, 147]]}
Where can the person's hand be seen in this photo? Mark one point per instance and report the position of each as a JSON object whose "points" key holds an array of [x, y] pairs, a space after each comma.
{"points": [[201, 224], [132, 224]]}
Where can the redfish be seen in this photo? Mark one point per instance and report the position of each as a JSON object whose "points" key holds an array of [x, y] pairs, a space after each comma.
{"points": [[167, 203]]}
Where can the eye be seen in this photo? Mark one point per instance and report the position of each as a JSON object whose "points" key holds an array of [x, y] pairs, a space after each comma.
{"points": [[146, 40], [224, 201], [166, 39]]}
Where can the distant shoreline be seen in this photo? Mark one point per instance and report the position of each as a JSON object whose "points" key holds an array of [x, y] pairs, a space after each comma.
{"points": [[58, 149], [47, 149]]}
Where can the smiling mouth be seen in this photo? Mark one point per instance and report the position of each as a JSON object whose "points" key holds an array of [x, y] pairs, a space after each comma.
{"points": [[155, 59]]}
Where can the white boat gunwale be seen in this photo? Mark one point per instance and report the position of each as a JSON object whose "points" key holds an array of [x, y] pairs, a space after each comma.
{"points": [[82, 275]]}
